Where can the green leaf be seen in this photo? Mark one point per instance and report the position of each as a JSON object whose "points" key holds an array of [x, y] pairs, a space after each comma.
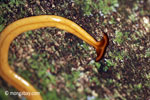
{"points": [[98, 65], [41, 73], [1, 27]]}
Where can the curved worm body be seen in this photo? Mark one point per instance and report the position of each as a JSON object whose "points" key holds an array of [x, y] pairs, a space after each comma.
{"points": [[36, 22]]}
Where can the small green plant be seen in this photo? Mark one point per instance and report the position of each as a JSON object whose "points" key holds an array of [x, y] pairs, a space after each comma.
{"points": [[85, 46], [11, 59], [112, 21], [119, 37], [110, 81], [138, 87], [108, 65], [132, 17], [16, 2], [147, 53], [95, 79], [51, 95], [1, 27], [2, 20], [11, 3], [101, 6], [42, 66], [28, 34], [98, 65], [2, 95], [6, 7]]}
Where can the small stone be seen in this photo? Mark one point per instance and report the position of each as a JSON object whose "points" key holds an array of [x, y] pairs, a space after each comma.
{"points": [[80, 89], [94, 94], [81, 68], [118, 19]]}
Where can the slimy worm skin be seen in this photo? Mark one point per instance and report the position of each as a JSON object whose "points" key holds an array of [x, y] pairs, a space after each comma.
{"points": [[32, 23]]}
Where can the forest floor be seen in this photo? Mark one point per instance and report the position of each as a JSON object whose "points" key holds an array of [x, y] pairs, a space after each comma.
{"points": [[62, 66]]}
